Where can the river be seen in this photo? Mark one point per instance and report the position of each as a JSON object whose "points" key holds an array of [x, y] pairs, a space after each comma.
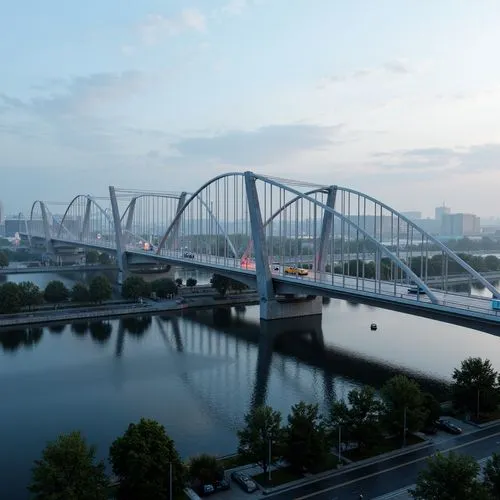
{"points": [[198, 374]]}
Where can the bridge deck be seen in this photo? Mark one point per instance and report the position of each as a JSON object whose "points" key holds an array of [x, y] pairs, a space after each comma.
{"points": [[450, 303]]}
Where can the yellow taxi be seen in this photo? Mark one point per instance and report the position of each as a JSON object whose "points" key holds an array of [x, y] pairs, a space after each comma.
{"points": [[296, 270]]}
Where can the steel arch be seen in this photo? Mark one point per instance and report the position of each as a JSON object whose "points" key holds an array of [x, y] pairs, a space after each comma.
{"points": [[45, 213], [282, 209], [398, 262], [443, 247], [193, 197], [88, 198]]}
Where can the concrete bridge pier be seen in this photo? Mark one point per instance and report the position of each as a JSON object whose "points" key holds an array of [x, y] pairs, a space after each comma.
{"points": [[286, 307]]}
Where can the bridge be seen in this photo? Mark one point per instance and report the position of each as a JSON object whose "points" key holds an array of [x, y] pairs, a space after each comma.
{"points": [[249, 227]]}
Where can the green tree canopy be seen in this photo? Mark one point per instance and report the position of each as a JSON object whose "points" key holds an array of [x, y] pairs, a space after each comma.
{"points": [[205, 469], [432, 409], [306, 444], [31, 295], [141, 459], [134, 287], [100, 289], [449, 477], [191, 282], [360, 420], [80, 293], [56, 292], [68, 471], [223, 284], [104, 258], [400, 393], [262, 425], [4, 259], [10, 298], [492, 475], [475, 382], [164, 287], [91, 257], [178, 281]]}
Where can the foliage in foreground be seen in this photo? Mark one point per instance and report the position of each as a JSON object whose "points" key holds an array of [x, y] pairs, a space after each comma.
{"points": [[68, 471]]}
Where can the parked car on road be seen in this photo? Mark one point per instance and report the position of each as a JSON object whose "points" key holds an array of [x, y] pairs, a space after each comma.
{"points": [[448, 426], [245, 482]]}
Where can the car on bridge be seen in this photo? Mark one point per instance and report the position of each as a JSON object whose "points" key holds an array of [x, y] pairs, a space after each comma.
{"points": [[296, 270], [189, 255], [415, 289]]}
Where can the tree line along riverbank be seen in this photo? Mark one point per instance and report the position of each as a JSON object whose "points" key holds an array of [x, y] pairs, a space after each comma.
{"points": [[146, 464]]}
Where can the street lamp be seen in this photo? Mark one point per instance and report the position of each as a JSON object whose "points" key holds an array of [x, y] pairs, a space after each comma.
{"points": [[269, 466], [340, 444], [170, 481], [478, 392], [404, 428]]}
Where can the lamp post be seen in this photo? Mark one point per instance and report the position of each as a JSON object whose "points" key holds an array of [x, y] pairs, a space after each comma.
{"points": [[340, 444], [404, 427], [269, 465], [170, 481], [477, 413]]}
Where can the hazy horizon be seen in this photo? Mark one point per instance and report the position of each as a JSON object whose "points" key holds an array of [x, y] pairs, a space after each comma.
{"points": [[398, 100]]}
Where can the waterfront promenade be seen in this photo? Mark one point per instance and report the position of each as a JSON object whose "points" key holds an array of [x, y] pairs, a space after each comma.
{"points": [[187, 300]]}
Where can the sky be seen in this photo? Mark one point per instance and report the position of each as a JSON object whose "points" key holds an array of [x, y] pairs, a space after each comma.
{"points": [[399, 99]]}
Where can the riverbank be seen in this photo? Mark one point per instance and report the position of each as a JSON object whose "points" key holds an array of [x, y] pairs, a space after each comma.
{"points": [[113, 310]]}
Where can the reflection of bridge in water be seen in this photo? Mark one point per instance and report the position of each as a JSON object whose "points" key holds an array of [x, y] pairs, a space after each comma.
{"points": [[292, 350]]}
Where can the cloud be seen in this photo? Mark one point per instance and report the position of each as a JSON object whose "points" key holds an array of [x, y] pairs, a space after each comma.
{"points": [[396, 67], [235, 7], [263, 146], [157, 26], [474, 159], [72, 111]]}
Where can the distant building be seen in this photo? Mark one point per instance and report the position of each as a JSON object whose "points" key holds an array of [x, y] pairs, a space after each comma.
{"points": [[412, 215], [460, 225], [441, 211]]}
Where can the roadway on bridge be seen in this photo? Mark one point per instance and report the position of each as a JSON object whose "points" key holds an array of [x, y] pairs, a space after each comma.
{"points": [[393, 473], [465, 306]]}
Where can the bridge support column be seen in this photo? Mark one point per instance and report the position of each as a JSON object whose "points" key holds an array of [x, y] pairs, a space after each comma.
{"points": [[326, 231], [271, 306], [121, 255]]}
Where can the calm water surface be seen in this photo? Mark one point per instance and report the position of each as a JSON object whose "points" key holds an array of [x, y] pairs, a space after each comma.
{"points": [[198, 374]]}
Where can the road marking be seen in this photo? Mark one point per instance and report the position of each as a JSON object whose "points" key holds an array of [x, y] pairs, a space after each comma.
{"points": [[395, 493], [373, 474]]}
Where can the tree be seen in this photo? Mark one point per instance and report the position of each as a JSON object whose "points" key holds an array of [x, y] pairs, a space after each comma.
{"points": [[178, 281], [432, 409], [104, 259], [141, 459], [361, 419], [475, 385], [10, 298], [134, 287], [191, 282], [30, 293], [68, 471], [80, 293], [403, 395], [204, 469], [220, 283], [91, 257], [306, 443], [100, 289], [4, 259], [492, 475], [164, 287], [449, 477], [263, 426], [55, 292]]}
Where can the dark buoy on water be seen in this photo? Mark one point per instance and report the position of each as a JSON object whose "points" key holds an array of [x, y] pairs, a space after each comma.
{"points": [[373, 326]]}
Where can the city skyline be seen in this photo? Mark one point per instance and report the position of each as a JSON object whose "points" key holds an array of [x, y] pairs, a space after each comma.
{"points": [[384, 99]]}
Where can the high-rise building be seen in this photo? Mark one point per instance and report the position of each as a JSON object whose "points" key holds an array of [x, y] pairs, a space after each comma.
{"points": [[412, 215], [460, 225], [440, 211]]}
